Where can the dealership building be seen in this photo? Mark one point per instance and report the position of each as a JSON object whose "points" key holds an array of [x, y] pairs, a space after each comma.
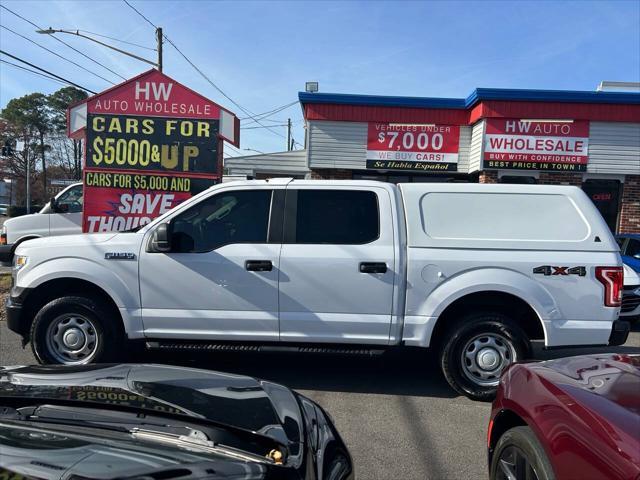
{"points": [[589, 139]]}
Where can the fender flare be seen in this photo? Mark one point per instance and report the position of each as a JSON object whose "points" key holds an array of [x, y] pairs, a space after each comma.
{"points": [[491, 280], [481, 280], [22, 239], [82, 269]]}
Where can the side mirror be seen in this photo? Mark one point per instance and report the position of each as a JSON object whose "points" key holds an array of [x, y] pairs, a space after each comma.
{"points": [[161, 239], [53, 204]]}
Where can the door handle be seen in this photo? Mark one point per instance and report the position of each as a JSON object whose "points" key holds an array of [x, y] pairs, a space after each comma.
{"points": [[258, 265], [373, 267]]}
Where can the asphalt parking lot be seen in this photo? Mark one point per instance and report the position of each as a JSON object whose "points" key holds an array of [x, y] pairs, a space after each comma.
{"points": [[395, 412]]}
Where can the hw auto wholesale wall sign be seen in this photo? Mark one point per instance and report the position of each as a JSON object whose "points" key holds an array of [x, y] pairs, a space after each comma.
{"points": [[151, 143], [536, 145]]}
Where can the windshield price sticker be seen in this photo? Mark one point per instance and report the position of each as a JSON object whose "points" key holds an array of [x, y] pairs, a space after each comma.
{"points": [[147, 143], [536, 145], [412, 147]]}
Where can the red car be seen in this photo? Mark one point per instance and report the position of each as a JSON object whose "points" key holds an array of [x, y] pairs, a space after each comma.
{"points": [[570, 418]]}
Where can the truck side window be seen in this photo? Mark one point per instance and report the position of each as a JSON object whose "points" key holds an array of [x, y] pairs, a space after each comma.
{"points": [[230, 217], [633, 248], [70, 201], [339, 217]]}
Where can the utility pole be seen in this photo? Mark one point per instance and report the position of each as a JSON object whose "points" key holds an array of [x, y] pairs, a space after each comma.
{"points": [[288, 135], [28, 185], [159, 38]]}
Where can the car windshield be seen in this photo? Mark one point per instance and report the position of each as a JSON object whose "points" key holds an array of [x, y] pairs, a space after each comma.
{"points": [[87, 453]]}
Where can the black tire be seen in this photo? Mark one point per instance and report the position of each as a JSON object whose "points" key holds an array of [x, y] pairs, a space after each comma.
{"points": [[92, 315], [498, 326], [521, 443]]}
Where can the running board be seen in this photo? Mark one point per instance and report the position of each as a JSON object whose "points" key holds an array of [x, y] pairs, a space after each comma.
{"points": [[239, 347]]}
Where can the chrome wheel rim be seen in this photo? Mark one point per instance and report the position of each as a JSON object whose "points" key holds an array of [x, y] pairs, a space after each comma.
{"points": [[485, 356], [513, 464], [72, 339]]}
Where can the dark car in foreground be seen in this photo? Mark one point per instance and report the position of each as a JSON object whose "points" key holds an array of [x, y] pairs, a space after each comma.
{"points": [[570, 418], [161, 422]]}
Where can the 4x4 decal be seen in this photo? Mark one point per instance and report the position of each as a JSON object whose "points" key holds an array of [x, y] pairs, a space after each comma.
{"points": [[553, 270]]}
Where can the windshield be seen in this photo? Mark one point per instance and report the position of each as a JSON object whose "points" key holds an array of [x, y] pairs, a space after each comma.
{"points": [[44, 451], [225, 399]]}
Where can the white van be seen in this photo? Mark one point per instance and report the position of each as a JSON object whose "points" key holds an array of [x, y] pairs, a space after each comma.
{"points": [[61, 216], [474, 271]]}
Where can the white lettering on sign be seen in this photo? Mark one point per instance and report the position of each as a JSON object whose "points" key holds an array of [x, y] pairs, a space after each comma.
{"points": [[513, 126], [408, 140], [101, 223], [145, 203], [161, 91]]}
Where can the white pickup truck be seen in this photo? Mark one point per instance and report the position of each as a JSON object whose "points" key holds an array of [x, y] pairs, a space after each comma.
{"points": [[474, 271], [62, 215]]}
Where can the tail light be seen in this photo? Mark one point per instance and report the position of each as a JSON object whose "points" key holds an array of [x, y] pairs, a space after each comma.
{"points": [[613, 280], [3, 238]]}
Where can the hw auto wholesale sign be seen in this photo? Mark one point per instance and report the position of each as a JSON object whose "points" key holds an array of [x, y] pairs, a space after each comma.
{"points": [[151, 143], [530, 145], [428, 148]]}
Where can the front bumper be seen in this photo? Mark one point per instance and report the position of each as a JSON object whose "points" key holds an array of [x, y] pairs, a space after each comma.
{"points": [[15, 316], [6, 253], [619, 333]]}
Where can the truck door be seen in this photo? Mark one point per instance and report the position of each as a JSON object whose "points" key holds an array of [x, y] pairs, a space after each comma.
{"points": [[220, 280], [337, 265], [67, 219]]}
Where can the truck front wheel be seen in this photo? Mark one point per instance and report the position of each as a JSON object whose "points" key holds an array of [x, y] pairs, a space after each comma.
{"points": [[73, 330], [477, 348]]}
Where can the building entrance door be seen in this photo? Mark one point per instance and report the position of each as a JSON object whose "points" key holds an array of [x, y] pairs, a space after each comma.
{"points": [[605, 194]]}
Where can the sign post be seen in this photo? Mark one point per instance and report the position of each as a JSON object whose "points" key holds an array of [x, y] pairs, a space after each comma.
{"points": [[151, 143]]}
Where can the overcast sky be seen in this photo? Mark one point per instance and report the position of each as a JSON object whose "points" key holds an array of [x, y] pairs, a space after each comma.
{"points": [[261, 53]]}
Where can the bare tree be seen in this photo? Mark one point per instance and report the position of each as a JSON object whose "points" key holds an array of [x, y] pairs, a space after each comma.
{"points": [[14, 166]]}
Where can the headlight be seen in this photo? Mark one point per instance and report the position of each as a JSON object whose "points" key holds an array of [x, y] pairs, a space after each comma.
{"points": [[19, 261]]}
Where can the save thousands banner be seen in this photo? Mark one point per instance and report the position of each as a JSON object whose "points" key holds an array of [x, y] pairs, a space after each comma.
{"points": [[426, 148], [536, 145], [151, 143]]}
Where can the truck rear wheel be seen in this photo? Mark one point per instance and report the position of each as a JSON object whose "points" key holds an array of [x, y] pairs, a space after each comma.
{"points": [[477, 348], [74, 330]]}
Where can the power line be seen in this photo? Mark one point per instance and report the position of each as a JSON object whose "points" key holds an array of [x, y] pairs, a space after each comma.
{"points": [[271, 112], [57, 54], [235, 150], [252, 116], [63, 42], [69, 82], [33, 71], [263, 126], [232, 147], [141, 14], [118, 40], [202, 74]]}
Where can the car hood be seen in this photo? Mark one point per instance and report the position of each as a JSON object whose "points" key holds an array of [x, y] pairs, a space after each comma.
{"points": [[606, 383], [241, 402]]}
